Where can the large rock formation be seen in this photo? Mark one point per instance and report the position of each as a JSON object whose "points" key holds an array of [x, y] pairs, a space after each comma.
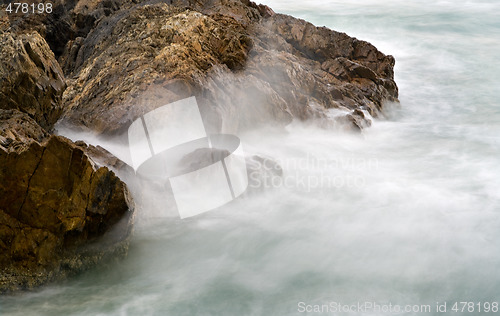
{"points": [[55, 203], [246, 64], [60, 212]]}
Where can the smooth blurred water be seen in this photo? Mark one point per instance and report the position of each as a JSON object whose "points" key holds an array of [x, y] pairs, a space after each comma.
{"points": [[411, 215]]}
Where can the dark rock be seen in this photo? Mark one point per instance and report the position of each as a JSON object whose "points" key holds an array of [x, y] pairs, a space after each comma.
{"points": [[263, 173], [31, 80], [18, 131], [68, 20], [200, 158]]}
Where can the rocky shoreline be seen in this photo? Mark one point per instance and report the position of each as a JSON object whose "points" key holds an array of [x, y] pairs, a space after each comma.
{"points": [[96, 66]]}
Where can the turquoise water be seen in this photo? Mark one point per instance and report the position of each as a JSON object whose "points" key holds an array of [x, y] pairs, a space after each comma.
{"points": [[406, 214]]}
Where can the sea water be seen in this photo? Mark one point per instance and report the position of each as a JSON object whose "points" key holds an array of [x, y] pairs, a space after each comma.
{"points": [[400, 220]]}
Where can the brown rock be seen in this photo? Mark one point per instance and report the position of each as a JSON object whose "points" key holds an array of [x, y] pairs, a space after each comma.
{"points": [[31, 80], [18, 130], [317, 66], [55, 204], [130, 61], [60, 211], [101, 157], [158, 54], [247, 66]]}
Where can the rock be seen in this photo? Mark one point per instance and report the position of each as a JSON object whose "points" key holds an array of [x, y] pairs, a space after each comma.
{"points": [[163, 54], [59, 213], [67, 21], [315, 66], [246, 65], [103, 158], [18, 131], [31, 79], [263, 173]]}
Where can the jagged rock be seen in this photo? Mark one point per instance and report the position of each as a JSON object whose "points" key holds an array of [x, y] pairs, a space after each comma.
{"points": [[103, 158], [18, 130], [55, 205], [247, 66], [31, 79], [164, 52], [67, 21], [60, 213], [314, 68]]}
